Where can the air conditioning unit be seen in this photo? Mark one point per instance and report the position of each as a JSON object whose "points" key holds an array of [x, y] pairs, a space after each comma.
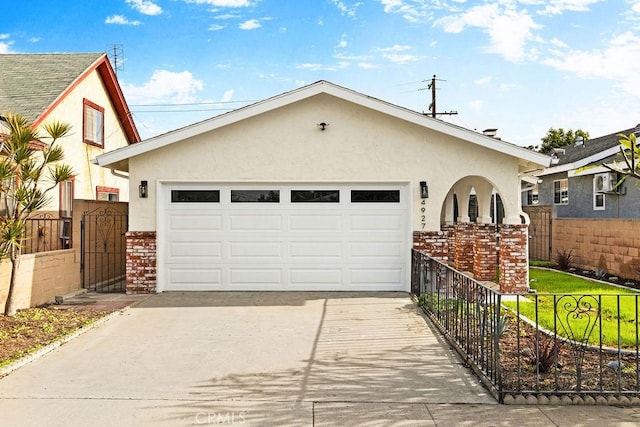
{"points": [[604, 182]]}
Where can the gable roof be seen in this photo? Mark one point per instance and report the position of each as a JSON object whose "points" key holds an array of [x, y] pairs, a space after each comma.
{"points": [[602, 149], [118, 159], [34, 84]]}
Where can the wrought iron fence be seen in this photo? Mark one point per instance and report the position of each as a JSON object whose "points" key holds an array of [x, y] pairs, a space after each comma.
{"points": [[581, 347], [45, 232]]}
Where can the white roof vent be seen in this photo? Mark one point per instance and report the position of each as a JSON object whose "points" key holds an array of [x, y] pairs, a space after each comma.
{"points": [[579, 140], [490, 132]]}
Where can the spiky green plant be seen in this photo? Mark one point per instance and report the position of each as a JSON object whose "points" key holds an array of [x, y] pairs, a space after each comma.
{"points": [[30, 166]]}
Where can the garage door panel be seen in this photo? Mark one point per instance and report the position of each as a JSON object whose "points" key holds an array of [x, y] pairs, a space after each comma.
{"points": [[307, 277], [185, 251], [315, 223], [377, 223], [184, 221], [255, 250], [299, 250], [195, 276], [371, 275], [253, 222], [251, 276], [378, 249]]}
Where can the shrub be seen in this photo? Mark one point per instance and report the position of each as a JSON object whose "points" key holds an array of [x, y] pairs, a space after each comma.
{"points": [[544, 353], [565, 259]]}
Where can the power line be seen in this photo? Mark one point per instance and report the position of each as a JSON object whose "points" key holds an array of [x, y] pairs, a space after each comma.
{"points": [[192, 103]]}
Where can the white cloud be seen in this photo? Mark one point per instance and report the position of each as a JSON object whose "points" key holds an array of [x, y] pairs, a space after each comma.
{"points": [[322, 67], [411, 10], [251, 24], [618, 62], [227, 16], [482, 81], [223, 3], [34, 39], [216, 27], [4, 36], [227, 96], [346, 9], [400, 58], [164, 87], [557, 7], [367, 65], [509, 30], [395, 48], [343, 42], [5, 47], [146, 7], [120, 20]]}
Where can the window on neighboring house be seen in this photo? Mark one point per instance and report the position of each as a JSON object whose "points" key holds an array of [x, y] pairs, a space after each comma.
{"points": [[108, 194], [532, 195], [66, 198], [561, 191], [93, 124], [598, 197]]}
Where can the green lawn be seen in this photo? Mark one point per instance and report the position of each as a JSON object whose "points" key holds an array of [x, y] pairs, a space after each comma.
{"points": [[558, 313]]}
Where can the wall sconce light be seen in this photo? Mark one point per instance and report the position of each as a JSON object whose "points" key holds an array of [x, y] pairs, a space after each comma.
{"points": [[143, 190], [424, 190], [323, 125]]}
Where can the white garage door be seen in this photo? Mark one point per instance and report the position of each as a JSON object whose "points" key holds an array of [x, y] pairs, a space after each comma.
{"points": [[284, 237]]}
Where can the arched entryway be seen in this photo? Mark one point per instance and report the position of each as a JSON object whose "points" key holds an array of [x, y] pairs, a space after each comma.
{"points": [[481, 235]]}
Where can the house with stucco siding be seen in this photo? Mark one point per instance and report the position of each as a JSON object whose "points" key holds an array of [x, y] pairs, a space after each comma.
{"points": [[319, 188], [80, 89]]}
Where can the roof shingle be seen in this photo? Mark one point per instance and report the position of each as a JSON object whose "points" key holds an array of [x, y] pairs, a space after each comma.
{"points": [[29, 83]]}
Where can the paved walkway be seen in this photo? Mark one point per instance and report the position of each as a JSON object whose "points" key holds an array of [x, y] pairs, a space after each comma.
{"points": [[265, 359]]}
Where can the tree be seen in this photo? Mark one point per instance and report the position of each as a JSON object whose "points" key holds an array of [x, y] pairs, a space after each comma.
{"points": [[630, 152], [558, 138], [29, 169]]}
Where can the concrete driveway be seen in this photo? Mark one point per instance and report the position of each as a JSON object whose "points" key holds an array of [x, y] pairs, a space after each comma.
{"points": [[306, 358]]}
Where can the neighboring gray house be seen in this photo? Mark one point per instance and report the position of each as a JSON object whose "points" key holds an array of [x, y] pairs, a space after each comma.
{"points": [[577, 192], [575, 207]]}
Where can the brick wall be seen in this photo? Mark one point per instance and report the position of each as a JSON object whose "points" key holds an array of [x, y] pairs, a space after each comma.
{"points": [[463, 250], [141, 262], [514, 261], [485, 257], [433, 243], [612, 245]]}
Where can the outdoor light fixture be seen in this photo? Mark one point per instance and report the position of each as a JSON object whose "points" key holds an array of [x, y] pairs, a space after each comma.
{"points": [[424, 190], [323, 125], [142, 190]]}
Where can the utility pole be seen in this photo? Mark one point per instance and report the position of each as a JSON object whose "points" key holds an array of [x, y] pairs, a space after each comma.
{"points": [[432, 106], [117, 57]]}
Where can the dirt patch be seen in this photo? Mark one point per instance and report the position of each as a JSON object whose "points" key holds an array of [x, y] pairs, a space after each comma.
{"points": [[31, 329], [556, 365]]}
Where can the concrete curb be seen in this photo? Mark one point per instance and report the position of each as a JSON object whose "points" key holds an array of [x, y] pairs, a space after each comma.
{"points": [[54, 345]]}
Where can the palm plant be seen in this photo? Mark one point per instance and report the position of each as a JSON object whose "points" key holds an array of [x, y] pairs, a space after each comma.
{"points": [[29, 169], [630, 153]]}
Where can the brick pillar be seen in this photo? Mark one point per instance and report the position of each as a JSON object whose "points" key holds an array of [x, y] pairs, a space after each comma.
{"points": [[450, 231], [141, 262], [485, 257], [433, 243], [514, 261], [463, 255]]}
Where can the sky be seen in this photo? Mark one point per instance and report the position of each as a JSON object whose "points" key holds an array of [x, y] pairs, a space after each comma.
{"points": [[521, 66]]}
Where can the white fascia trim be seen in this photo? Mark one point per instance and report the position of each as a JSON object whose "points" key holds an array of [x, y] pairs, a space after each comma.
{"points": [[582, 162], [307, 92]]}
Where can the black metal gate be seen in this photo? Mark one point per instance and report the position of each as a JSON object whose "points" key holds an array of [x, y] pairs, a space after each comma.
{"points": [[103, 249]]}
